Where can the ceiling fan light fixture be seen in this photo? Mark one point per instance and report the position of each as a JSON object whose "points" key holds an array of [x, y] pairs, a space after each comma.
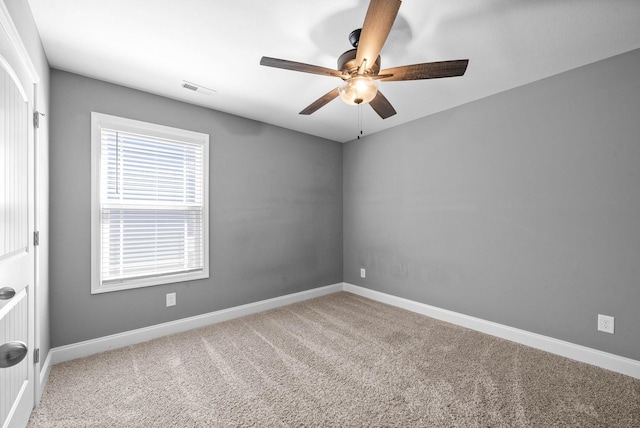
{"points": [[358, 90]]}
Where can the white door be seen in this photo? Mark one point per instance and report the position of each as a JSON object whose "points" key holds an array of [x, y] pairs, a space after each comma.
{"points": [[16, 231]]}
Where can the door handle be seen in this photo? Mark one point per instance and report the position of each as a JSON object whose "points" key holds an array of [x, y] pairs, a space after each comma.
{"points": [[11, 353], [7, 293]]}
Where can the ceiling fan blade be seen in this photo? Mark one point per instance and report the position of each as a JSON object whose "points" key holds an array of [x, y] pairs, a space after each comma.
{"points": [[375, 30], [382, 106], [428, 70], [320, 102], [299, 66]]}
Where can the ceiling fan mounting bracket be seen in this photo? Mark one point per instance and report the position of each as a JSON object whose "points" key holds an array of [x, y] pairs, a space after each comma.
{"points": [[354, 37]]}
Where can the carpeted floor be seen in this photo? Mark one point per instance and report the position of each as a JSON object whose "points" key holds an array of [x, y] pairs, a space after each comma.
{"points": [[335, 361]]}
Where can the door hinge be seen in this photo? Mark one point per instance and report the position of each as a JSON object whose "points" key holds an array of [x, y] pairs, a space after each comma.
{"points": [[36, 355], [36, 238], [36, 119]]}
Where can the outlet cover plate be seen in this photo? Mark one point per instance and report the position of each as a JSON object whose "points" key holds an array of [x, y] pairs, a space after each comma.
{"points": [[171, 299], [363, 273], [605, 323]]}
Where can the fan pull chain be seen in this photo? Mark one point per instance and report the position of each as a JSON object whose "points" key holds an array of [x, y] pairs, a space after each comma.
{"points": [[359, 120]]}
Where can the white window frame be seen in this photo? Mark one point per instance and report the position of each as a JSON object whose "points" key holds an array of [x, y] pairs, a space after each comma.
{"points": [[99, 121]]}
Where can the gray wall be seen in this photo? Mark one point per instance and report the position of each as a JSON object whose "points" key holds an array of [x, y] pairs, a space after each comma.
{"points": [[275, 220], [26, 26], [522, 208]]}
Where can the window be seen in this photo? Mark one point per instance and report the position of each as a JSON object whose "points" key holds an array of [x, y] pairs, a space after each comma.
{"points": [[150, 211]]}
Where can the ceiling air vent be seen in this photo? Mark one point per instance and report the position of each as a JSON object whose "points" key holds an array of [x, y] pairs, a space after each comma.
{"points": [[197, 88]]}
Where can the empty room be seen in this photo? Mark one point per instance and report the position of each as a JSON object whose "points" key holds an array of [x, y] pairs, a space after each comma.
{"points": [[355, 213]]}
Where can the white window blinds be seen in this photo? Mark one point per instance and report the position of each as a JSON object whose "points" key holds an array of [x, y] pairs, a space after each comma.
{"points": [[152, 208]]}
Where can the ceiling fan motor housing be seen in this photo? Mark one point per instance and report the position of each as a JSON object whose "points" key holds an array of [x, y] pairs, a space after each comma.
{"points": [[347, 64]]}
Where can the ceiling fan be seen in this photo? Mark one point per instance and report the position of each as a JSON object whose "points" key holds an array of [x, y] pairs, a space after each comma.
{"points": [[359, 68]]}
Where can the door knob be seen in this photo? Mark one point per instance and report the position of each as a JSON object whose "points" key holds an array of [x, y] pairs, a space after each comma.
{"points": [[7, 293], [11, 353]]}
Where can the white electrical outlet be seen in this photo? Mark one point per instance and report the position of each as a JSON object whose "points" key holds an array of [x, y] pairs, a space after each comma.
{"points": [[363, 273], [171, 299], [605, 323]]}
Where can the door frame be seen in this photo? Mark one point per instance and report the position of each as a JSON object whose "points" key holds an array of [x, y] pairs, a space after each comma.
{"points": [[35, 184]]}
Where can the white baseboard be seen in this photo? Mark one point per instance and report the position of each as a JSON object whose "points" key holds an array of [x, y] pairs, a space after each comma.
{"points": [[591, 356], [581, 353], [102, 344]]}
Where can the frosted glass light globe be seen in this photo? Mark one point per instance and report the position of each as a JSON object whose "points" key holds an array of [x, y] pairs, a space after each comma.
{"points": [[358, 90]]}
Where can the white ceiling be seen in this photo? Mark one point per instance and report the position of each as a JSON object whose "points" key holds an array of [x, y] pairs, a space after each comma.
{"points": [[154, 45]]}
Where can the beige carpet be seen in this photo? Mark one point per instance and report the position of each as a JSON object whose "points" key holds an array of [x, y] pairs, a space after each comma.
{"points": [[335, 361]]}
